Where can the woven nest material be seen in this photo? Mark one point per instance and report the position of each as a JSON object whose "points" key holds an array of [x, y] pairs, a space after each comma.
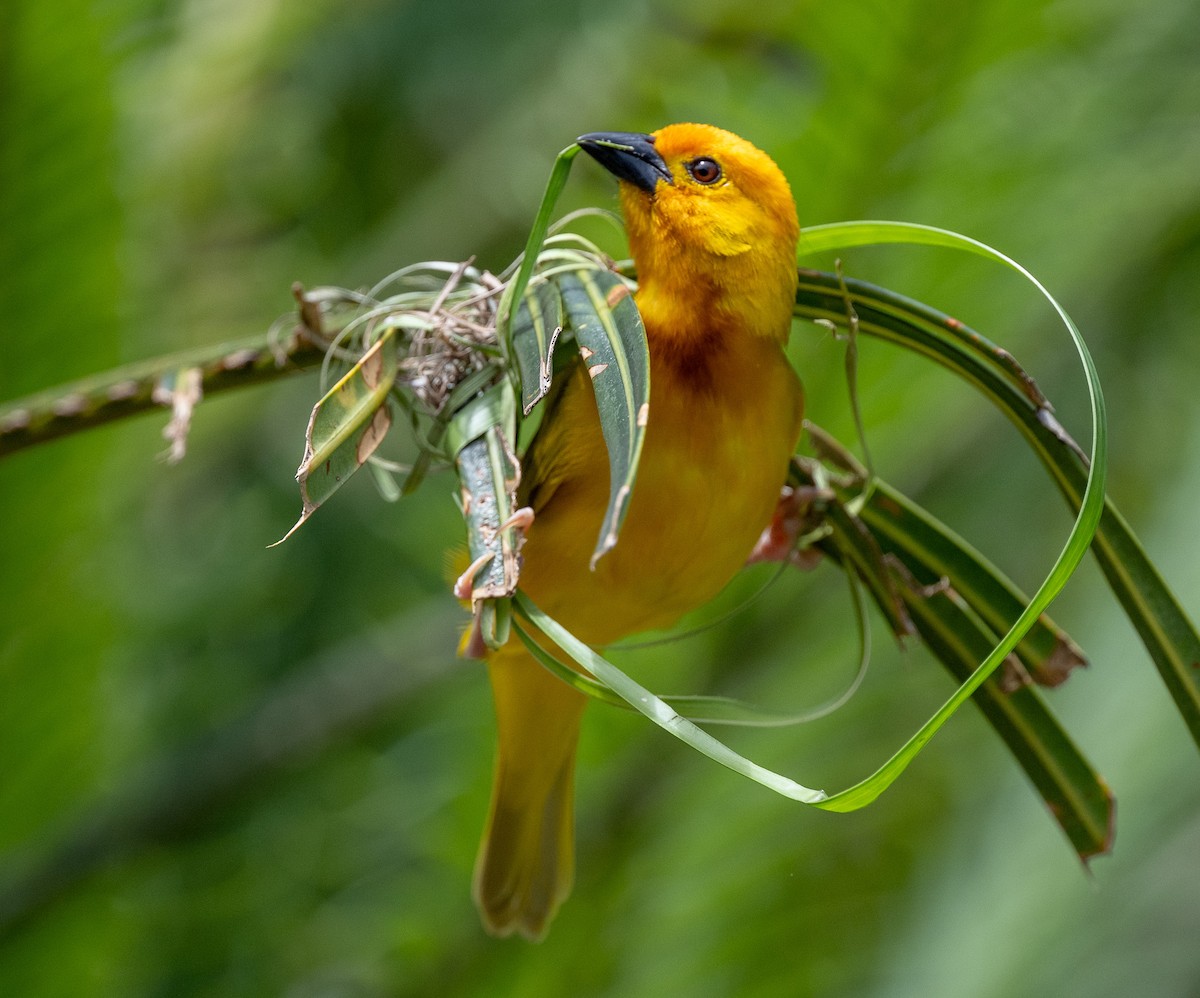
{"points": [[459, 340]]}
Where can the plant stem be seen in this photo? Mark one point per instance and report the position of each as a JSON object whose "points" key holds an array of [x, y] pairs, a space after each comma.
{"points": [[150, 384]]}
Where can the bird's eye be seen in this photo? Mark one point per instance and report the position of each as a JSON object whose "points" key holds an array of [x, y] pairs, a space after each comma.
{"points": [[704, 170]]}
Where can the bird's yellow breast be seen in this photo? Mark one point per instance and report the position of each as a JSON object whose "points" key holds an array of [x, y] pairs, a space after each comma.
{"points": [[722, 424]]}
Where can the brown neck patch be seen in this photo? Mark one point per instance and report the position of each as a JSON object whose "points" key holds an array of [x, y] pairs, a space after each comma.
{"points": [[695, 359]]}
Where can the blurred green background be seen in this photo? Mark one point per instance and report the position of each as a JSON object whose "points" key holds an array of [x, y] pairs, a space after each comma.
{"points": [[227, 770]]}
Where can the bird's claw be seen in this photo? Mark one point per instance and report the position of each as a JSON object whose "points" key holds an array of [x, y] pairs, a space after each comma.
{"points": [[520, 521], [464, 585]]}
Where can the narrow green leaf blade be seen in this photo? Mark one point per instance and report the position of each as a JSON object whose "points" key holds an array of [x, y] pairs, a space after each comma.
{"points": [[612, 341], [346, 426], [708, 709], [947, 622], [536, 329], [1086, 523], [1168, 634], [932, 551], [645, 702], [515, 290], [845, 235], [1076, 796]]}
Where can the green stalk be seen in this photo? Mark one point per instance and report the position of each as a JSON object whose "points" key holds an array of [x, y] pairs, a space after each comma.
{"points": [[537, 235], [146, 385]]}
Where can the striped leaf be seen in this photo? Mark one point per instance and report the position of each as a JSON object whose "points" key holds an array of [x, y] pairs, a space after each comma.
{"points": [[1168, 634], [535, 332], [1077, 798], [612, 341], [960, 605], [480, 438], [932, 551], [346, 426]]}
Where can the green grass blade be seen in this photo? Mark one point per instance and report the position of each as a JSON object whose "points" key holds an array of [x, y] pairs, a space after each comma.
{"points": [[347, 426], [537, 235], [1166, 631], [959, 636], [666, 717], [931, 551], [707, 709], [612, 341], [535, 333], [858, 551], [1086, 523], [1076, 796]]}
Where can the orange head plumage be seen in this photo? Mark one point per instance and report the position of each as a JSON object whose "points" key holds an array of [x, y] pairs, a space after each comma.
{"points": [[712, 228]]}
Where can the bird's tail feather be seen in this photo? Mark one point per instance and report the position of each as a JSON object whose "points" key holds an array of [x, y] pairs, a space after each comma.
{"points": [[526, 861]]}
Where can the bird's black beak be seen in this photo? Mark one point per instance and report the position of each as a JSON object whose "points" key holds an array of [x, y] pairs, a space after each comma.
{"points": [[628, 156]]}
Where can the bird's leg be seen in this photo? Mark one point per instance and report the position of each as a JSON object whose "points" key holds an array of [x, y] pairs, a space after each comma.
{"points": [[472, 644], [794, 518]]}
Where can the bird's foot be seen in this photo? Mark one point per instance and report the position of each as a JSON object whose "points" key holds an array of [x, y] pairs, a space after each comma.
{"points": [[781, 537], [520, 521]]}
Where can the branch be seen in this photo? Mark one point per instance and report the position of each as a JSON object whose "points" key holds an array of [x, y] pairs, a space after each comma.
{"points": [[154, 384]]}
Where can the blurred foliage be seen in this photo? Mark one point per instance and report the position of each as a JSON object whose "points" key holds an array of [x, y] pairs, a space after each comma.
{"points": [[235, 771]]}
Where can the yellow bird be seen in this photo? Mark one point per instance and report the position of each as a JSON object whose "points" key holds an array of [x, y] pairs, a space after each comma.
{"points": [[712, 229]]}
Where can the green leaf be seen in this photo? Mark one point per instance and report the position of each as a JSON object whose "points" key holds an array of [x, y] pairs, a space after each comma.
{"points": [[708, 709], [515, 291], [1076, 796], [610, 336], [535, 332], [609, 332], [897, 547], [1168, 634], [932, 551], [488, 474], [1084, 528], [1166, 631], [665, 716], [346, 426]]}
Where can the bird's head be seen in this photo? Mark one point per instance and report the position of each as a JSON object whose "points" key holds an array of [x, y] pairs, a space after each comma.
{"points": [[712, 226]]}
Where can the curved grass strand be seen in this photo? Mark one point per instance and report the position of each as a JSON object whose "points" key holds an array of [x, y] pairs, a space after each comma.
{"points": [[850, 234], [665, 716], [1072, 553]]}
